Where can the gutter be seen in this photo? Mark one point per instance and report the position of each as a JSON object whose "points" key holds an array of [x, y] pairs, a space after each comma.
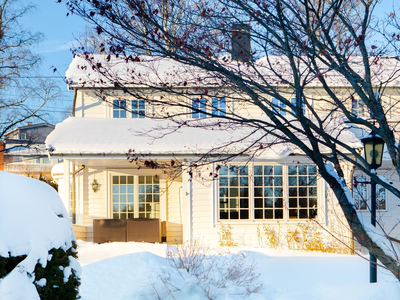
{"points": [[74, 103]]}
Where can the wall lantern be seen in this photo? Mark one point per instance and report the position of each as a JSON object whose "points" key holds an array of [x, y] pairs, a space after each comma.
{"points": [[373, 150], [95, 185]]}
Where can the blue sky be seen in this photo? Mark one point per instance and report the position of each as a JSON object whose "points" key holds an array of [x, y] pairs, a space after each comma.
{"points": [[59, 32]]}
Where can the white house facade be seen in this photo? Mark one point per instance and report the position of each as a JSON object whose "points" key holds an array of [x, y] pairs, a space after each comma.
{"points": [[122, 161]]}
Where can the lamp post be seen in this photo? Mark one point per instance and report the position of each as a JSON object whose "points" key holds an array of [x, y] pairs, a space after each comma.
{"points": [[373, 152]]}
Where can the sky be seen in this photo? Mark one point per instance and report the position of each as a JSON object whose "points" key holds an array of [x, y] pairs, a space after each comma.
{"points": [[59, 33]]}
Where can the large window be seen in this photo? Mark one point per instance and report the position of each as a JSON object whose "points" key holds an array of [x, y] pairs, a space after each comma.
{"points": [[135, 196], [277, 192], [362, 196]]}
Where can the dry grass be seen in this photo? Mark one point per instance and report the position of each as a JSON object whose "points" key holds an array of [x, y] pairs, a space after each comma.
{"points": [[305, 236]]}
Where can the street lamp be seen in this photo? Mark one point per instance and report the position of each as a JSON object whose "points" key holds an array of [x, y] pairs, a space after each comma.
{"points": [[373, 152]]}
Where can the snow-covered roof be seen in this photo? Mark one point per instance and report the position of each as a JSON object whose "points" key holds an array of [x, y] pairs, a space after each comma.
{"points": [[98, 136], [143, 71]]}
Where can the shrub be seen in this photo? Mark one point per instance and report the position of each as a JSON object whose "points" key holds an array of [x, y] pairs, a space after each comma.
{"points": [[225, 236], [58, 280], [211, 272]]}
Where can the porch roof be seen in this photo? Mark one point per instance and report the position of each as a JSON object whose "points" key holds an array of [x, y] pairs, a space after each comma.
{"points": [[113, 137]]}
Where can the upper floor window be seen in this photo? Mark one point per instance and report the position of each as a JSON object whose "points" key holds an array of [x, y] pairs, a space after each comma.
{"points": [[361, 195], [119, 108], [218, 107], [199, 106], [138, 108], [302, 105], [279, 106], [357, 107]]}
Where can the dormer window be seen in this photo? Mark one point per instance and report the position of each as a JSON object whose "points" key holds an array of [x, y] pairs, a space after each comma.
{"points": [[138, 108], [119, 108]]}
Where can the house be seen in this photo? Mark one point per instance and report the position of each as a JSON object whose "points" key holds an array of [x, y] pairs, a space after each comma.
{"points": [[124, 161], [25, 152]]}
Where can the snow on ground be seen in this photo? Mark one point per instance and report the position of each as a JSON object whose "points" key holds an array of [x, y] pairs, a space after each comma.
{"points": [[134, 271]]}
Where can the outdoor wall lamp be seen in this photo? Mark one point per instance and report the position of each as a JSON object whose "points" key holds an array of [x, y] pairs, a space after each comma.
{"points": [[95, 185], [373, 152]]}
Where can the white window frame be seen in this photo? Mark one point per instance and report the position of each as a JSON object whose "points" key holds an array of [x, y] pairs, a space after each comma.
{"points": [[285, 178], [278, 106], [136, 173], [208, 110], [148, 108], [367, 192]]}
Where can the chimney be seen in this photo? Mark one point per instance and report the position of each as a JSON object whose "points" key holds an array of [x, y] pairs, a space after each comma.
{"points": [[241, 48], [1, 155], [28, 123]]}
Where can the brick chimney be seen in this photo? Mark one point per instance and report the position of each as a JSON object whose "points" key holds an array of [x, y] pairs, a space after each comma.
{"points": [[241, 48]]}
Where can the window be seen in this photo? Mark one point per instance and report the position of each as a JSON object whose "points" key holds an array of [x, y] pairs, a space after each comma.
{"points": [[234, 192], [218, 107], [23, 136], [149, 197], [360, 194], [138, 108], [279, 106], [119, 108], [268, 192], [302, 182], [199, 106], [294, 103], [135, 196], [278, 192], [357, 107]]}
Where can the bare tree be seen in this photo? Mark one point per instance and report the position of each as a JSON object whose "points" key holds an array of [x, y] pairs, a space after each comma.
{"points": [[22, 94], [297, 46]]}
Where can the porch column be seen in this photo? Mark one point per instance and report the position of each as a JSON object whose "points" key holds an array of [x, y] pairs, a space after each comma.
{"points": [[187, 215], [66, 185]]}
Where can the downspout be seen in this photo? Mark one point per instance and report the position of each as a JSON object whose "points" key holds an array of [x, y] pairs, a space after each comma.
{"points": [[191, 205], [74, 103], [352, 170]]}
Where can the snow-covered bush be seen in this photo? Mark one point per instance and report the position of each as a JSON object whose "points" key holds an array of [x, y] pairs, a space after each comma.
{"points": [[37, 243], [196, 270]]}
